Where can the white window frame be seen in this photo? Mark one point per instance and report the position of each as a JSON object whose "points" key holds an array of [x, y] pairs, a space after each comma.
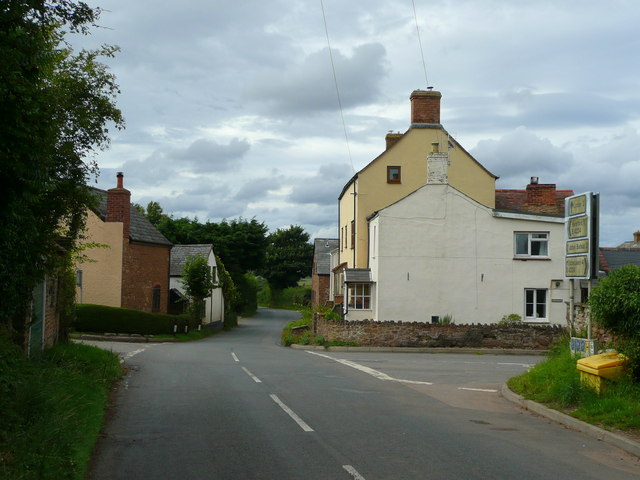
{"points": [[361, 297], [536, 302], [530, 239]]}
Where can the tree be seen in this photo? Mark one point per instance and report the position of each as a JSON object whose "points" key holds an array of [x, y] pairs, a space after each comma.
{"points": [[198, 284], [288, 258], [54, 110], [615, 305]]}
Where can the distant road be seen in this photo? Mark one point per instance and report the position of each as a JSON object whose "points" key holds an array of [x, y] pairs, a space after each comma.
{"points": [[239, 406]]}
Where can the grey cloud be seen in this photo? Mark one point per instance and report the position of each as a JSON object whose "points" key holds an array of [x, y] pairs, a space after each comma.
{"points": [[520, 155], [322, 188], [210, 156], [309, 86], [258, 188]]}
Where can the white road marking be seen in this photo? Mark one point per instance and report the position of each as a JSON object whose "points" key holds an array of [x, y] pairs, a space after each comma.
{"points": [[255, 379], [526, 365], [370, 371], [292, 414], [234, 357], [489, 390], [353, 472]]}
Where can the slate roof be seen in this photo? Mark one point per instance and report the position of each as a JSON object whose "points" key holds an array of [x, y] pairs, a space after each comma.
{"points": [[141, 230], [516, 200], [357, 275], [180, 253], [322, 248], [617, 257]]}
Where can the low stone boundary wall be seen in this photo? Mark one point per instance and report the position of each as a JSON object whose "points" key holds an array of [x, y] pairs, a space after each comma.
{"points": [[403, 334]]}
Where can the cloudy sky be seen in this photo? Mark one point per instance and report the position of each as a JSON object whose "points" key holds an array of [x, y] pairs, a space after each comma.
{"points": [[231, 107]]}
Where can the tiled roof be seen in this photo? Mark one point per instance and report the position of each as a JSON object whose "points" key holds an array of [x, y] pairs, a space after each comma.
{"points": [[357, 275], [617, 257], [322, 248], [517, 201], [141, 230], [180, 254]]}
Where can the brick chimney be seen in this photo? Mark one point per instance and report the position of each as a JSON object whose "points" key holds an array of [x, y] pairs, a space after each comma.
{"points": [[119, 205], [392, 139], [541, 198], [425, 106], [636, 237]]}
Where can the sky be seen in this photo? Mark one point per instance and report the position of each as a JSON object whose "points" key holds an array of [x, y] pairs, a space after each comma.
{"points": [[231, 107]]}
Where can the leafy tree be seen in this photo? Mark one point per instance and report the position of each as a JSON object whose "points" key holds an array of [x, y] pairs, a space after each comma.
{"points": [[229, 294], [198, 284], [615, 305], [288, 258], [54, 110]]}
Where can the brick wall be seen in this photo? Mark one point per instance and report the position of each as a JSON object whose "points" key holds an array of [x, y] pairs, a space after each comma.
{"points": [[401, 334], [541, 198], [319, 289], [145, 266]]}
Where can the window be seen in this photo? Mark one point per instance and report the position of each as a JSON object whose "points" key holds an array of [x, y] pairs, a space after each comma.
{"points": [[360, 296], [531, 244], [535, 304], [353, 234], [393, 174], [214, 277], [155, 299]]}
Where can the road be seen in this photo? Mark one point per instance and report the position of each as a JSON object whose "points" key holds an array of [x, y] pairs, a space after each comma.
{"points": [[239, 406]]}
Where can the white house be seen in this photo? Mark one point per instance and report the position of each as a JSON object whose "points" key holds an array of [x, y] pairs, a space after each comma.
{"points": [[214, 305], [438, 252]]}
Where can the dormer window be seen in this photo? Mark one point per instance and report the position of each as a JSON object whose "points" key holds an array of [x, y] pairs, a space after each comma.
{"points": [[393, 174]]}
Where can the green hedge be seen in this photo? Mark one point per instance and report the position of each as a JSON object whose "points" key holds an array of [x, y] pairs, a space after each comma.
{"points": [[103, 319]]}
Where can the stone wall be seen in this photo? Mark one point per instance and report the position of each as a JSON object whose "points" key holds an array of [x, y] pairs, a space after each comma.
{"points": [[401, 334]]}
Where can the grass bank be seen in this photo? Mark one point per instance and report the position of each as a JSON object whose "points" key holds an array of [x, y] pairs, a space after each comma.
{"points": [[52, 409], [556, 383]]}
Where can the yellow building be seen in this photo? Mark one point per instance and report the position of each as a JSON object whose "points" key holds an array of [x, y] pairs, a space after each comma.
{"points": [[403, 168]]}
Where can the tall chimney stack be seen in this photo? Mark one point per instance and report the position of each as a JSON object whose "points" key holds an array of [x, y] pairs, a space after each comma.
{"points": [[119, 205], [636, 238], [425, 106]]}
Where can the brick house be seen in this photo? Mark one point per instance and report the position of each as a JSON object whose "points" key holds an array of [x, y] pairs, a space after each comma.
{"points": [[321, 271], [133, 270]]}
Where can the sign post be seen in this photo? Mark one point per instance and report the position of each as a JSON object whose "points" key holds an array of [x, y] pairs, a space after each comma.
{"points": [[581, 252]]}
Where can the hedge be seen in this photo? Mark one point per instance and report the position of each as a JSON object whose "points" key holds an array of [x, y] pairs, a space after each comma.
{"points": [[103, 319]]}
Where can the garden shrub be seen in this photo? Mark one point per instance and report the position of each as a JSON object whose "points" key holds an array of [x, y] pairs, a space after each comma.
{"points": [[103, 319]]}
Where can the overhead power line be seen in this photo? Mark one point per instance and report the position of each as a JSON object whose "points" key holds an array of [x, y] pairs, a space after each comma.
{"points": [[335, 81]]}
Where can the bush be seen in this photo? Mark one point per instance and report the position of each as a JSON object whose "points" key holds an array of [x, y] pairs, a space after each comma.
{"points": [[247, 286], [615, 306], [510, 319], [101, 319]]}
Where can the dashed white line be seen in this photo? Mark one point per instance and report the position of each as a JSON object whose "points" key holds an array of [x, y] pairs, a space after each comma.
{"points": [[370, 371], [488, 390], [353, 472], [292, 414], [234, 357], [255, 379]]}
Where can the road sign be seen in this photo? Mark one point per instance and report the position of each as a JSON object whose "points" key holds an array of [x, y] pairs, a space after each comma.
{"points": [[581, 236]]}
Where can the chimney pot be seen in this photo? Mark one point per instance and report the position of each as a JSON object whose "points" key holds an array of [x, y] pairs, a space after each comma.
{"points": [[120, 179], [534, 180]]}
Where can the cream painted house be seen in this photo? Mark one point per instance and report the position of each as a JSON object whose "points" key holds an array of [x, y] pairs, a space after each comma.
{"points": [[400, 170], [100, 277], [214, 304], [439, 252]]}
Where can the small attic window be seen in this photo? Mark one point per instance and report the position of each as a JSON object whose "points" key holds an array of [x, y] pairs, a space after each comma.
{"points": [[393, 174]]}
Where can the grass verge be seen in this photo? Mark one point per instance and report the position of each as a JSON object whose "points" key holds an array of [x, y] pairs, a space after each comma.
{"points": [[556, 383], [52, 409], [288, 337]]}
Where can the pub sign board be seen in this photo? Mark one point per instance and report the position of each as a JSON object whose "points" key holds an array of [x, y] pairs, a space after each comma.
{"points": [[581, 236]]}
